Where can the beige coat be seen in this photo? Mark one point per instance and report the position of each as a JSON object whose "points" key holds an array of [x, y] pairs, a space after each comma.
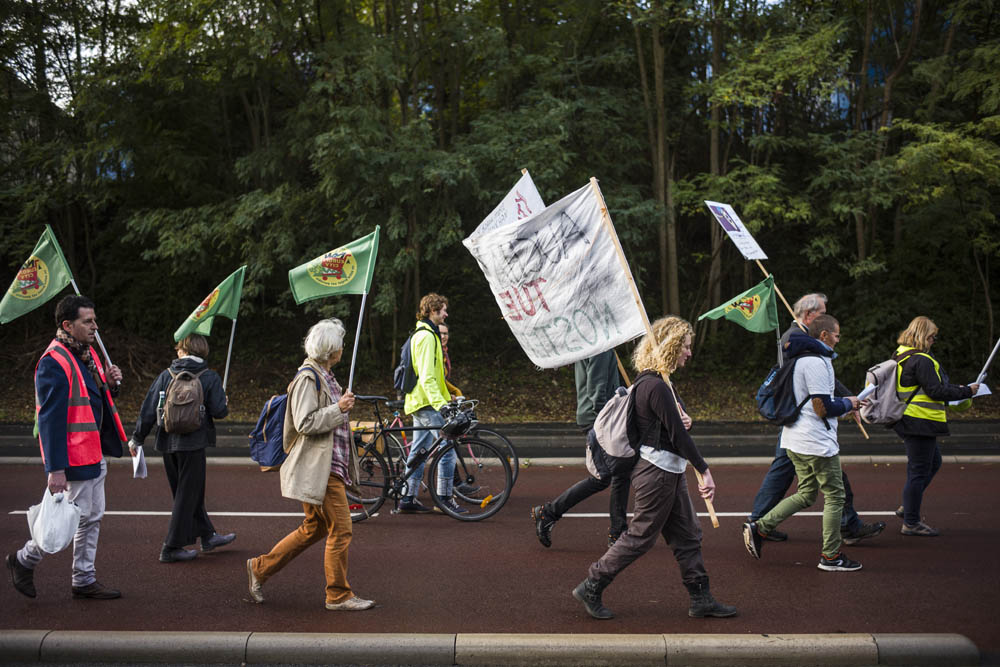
{"points": [[310, 418]]}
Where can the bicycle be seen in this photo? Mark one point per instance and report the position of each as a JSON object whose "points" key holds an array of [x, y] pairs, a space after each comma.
{"points": [[485, 472]]}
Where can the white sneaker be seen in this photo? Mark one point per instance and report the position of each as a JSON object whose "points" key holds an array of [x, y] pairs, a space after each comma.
{"points": [[256, 593], [351, 604]]}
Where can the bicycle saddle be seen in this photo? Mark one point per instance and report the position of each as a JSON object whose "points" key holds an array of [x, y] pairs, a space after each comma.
{"points": [[395, 405]]}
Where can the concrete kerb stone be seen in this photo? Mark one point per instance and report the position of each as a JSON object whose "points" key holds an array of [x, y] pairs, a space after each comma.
{"points": [[21, 645], [361, 649], [906, 649], [772, 649], [150, 647], [567, 649]]}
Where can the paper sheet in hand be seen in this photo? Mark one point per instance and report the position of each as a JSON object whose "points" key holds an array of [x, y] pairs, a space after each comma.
{"points": [[139, 464], [983, 391]]}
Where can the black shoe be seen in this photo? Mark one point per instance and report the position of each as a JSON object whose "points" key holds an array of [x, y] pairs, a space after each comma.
{"points": [[96, 591], [752, 539], [22, 577], [215, 540], [176, 554], [864, 532], [467, 489], [410, 505], [454, 507], [703, 604], [543, 525], [839, 563], [589, 593], [776, 536]]}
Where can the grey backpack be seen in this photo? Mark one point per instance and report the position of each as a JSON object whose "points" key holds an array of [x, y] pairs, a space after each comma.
{"points": [[884, 404], [184, 409]]}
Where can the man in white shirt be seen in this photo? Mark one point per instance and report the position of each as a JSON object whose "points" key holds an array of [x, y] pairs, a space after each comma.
{"points": [[811, 443]]}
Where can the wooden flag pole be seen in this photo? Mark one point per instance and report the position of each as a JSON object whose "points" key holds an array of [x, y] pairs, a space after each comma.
{"points": [[642, 309], [621, 369], [857, 419], [229, 355]]}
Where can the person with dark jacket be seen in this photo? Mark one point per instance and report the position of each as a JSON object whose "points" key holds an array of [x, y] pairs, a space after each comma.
{"points": [[780, 475], [78, 427], [662, 503], [921, 381], [184, 453]]}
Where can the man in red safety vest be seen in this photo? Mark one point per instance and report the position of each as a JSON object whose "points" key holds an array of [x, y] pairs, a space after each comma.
{"points": [[78, 425]]}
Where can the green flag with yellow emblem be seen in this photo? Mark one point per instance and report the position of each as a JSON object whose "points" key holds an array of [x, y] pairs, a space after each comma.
{"points": [[224, 300], [755, 310], [41, 277], [344, 270]]}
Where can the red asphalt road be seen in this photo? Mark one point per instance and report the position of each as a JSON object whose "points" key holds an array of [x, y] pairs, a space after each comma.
{"points": [[434, 574]]}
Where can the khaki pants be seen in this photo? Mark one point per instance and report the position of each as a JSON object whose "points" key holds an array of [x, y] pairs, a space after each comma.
{"points": [[331, 520]]}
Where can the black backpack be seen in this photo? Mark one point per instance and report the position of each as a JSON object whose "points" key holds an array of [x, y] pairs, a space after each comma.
{"points": [[404, 378], [776, 395]]}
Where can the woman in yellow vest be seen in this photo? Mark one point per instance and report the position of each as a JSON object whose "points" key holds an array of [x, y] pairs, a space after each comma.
{"points": [[921, 382]]}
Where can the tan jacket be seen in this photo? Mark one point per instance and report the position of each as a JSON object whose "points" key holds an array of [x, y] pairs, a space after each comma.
{"points": [[310, 418]]}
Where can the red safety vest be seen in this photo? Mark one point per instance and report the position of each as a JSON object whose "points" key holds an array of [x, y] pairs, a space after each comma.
{"points": [[83, 440]]}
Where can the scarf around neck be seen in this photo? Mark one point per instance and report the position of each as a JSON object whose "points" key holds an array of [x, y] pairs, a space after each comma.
{"points": [[81, 351]]}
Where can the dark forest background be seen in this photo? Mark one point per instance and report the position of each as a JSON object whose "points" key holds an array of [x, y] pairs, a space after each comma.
{"points": [[168, 142]]}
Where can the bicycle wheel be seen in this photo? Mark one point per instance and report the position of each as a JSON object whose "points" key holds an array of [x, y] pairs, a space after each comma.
{"points": [[502, 443], [485, 473], [374, 485], [393, 452]]}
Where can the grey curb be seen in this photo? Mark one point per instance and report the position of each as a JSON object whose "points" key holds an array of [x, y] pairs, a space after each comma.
{"points": [[65, 646]]}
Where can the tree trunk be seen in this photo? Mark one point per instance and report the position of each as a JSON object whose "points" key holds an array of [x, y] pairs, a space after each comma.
{"points": [[715, 231]]}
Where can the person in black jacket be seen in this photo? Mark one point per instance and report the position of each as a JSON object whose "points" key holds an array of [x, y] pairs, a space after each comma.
{"points": [[926, 386], [184, 453], [662, 503]]}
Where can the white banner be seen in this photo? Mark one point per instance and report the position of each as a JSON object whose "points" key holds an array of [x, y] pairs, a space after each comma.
{"points": [[737, 231], [559, 281], [521, 202]]}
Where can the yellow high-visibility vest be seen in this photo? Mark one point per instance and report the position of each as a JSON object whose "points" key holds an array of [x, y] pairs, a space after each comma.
{"points": [[921, 406]]}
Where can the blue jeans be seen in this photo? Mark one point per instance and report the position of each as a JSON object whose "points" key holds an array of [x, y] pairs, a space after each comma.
{"points": [[779, 479], [423, 440]]}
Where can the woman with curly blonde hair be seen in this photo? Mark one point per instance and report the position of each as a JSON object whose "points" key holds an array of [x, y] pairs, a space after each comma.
{"points": [[662, 503]]}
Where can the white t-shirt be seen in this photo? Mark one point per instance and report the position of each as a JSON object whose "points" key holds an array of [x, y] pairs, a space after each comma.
{"points": [[808, 435]]}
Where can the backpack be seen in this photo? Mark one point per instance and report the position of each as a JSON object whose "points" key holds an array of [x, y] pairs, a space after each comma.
{"points": [[610, 451], [776, 395], [267, 439], [884, 405], [184, 407], [404, 378]]}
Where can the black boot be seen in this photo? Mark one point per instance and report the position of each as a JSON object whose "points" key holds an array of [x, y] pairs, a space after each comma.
{"points": [[589, 593], [702, 602], [22, 577]]}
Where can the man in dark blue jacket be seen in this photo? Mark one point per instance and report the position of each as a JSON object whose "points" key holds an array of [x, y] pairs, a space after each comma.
{"points": [[78, 426]]}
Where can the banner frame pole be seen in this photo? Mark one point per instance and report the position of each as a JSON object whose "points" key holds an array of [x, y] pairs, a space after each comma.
{"points": [[621, 369], [229, 355], [97, 334], [982, 373], [783, 299], [357, 340]]}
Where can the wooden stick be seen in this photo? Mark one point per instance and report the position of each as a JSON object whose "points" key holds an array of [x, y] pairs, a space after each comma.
{"points": [[621, 369], [783, 299], [708, 503]]}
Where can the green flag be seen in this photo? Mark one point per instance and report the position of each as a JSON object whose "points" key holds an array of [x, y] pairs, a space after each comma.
{"points": [[40, 278], [224, 300], [756, 309], [344, 270]]}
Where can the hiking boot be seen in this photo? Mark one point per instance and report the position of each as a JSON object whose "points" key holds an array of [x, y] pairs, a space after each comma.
{"points": [[410, 505], [589, 593], [702, 602], [215, 540], [839, 563], [543, 525], [864, 532], [22, 577], [776, 536], [920, 529], [256, 592], [752, 539], [351, 604], [454, 507]]}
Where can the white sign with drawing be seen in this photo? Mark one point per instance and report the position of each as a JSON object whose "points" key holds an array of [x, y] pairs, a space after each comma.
{"points": [[521, 202], [559, 282], [737, 231]]}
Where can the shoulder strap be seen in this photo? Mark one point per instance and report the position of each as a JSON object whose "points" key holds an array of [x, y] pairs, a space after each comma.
{"points": [[303, 369]]}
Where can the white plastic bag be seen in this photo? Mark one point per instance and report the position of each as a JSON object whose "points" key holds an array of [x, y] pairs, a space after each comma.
{"points": [[53, 522]]}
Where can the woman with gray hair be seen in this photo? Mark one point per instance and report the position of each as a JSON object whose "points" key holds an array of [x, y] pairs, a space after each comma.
{"points": [[662, 503], [321, 466]]}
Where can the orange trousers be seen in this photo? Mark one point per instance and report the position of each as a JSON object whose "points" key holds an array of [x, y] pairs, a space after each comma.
{"points": [[331, 520]]}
